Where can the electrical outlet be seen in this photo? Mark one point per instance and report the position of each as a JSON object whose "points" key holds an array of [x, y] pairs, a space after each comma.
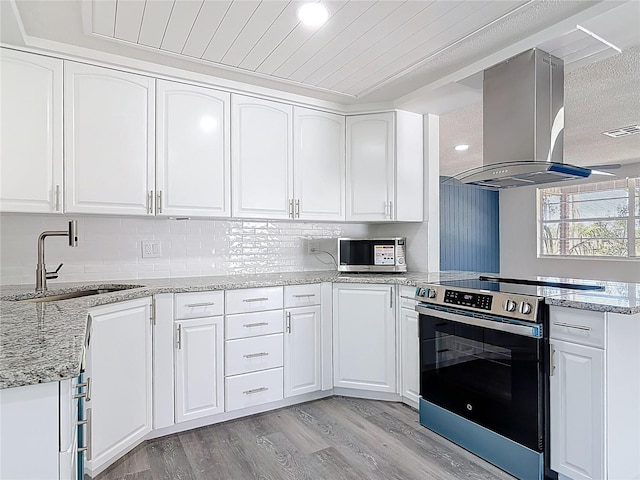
{"points": [[313, 245], [151, 249]]}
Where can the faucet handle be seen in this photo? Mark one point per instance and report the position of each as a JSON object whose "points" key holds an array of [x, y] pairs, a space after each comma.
{"points": [[54, 274]]}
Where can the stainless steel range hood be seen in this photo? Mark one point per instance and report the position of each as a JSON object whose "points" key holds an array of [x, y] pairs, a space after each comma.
{"points": [[523, 116]]}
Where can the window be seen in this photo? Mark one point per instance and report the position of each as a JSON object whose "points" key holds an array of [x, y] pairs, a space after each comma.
{"points": [[591, 220]]}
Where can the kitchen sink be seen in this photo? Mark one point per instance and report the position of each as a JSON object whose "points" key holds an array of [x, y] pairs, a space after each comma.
{"points": [[32, 298]]}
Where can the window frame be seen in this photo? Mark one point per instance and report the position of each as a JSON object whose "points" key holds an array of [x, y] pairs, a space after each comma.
{"points": [[633, 250]]}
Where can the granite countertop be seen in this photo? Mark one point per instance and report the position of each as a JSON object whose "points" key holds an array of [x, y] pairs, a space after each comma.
{"points": [[43, 342]]}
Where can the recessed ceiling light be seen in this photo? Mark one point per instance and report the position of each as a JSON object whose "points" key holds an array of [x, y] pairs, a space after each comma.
{"points": [[461, 148], [313, 14]]}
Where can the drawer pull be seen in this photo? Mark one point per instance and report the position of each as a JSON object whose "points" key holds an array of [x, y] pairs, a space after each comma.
{"points": [[255, 390], [87, 424], [304, 295], [203, 304], [258, 299], [254, 355], [408, 298], [569, 325], [258, 324]]}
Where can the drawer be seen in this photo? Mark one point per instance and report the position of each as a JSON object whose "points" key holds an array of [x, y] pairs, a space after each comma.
{"points": [[242, 325], [199, 304], [406, 297], [242, 391], [254, 299], [577, 326], [251, 354], [301, 295]]}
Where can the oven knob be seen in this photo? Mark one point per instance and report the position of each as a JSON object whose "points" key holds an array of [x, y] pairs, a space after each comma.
{"points": [[525, 308], [431, 293], [400, 260], [509, 306]]}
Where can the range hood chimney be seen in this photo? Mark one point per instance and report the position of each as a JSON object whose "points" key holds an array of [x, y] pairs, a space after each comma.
{"points": [[523, 116]]}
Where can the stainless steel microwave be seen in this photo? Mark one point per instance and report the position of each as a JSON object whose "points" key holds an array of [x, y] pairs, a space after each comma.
{"points": [[372, 254]]}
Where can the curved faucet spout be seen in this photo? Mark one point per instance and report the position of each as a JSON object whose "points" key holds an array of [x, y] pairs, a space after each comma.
{"points": [[41, 270]]}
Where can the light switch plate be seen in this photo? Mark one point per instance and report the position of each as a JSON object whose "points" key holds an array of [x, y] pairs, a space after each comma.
{"points": [[151, 249]]}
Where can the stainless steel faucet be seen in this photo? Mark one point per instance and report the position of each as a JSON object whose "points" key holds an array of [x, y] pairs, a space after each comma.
{"points": [[41, 270]]}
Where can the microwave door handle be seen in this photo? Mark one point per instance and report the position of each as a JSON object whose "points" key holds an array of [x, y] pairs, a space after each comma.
{"points": [[522, 330]]}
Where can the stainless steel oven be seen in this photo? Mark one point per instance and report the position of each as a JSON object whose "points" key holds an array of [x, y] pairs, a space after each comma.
{"points": [[483, 371]]}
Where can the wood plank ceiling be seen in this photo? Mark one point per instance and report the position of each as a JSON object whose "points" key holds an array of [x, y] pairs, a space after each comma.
{"points": [[364, 44]]}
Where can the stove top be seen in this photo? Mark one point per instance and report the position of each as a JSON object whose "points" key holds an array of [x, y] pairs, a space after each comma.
{"points": [[511, 298]]}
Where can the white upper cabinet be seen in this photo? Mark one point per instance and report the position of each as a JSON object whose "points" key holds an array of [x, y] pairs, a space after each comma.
{"points": [[193, 151], [384, 167], [370, 181], [31, 132], [262, 155], [318, 165], [109, 141]]}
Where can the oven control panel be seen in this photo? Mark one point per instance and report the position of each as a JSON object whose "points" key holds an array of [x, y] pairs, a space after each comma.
{"points": [[466, 299], [510, 305]]}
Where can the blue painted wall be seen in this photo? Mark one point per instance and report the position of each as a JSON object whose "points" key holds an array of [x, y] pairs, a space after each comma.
{"points": [[469, 228]]}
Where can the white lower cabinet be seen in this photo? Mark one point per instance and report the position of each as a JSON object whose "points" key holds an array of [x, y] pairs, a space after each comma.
{"points": [[199, 371], [410, 348], [302, 351], [119, 366], [29, 437], [255, 388], [253, 347], [364, 337], [594, 394], [577, 414]]}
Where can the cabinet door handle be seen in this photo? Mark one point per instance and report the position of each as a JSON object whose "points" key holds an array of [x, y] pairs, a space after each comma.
{"points": [[391, 297], [203, 304], [159, 202], [552, 352], [257, 299], [150, 201], [87, 393], [179, 337], [255, 355], [288, 327], [304, 295], [297, 211], [255, 390], [390, 209], [291, 208], [57, 198], [258, 324], [569, 325], [87, 423]]}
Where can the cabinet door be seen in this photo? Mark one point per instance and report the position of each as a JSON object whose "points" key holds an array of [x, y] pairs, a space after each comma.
{"points": [[364, 340], [199, 372], [31, 132], [410, 356], [302, 351], [261, 156], [109, 141], [318, 165], [577, 411], [370, 166], [119, 363], [194, 159]]}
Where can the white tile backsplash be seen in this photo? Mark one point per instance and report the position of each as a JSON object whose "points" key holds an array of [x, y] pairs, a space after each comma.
{"points": [[110, 248]]}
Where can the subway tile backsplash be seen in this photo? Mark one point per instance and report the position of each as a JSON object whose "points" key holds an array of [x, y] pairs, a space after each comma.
{"points": [[110, 249]]}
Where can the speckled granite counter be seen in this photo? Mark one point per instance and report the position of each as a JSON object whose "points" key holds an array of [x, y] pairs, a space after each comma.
{"points": [[42, 342]]}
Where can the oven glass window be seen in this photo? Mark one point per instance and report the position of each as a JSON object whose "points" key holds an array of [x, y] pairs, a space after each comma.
{"points": [[491, 377]]}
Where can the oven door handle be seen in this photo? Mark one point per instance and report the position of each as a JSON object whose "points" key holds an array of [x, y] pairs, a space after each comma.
{"points": [[523, 330]]}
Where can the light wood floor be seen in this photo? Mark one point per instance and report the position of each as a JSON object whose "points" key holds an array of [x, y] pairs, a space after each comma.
{"points": [[332, 438]]}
